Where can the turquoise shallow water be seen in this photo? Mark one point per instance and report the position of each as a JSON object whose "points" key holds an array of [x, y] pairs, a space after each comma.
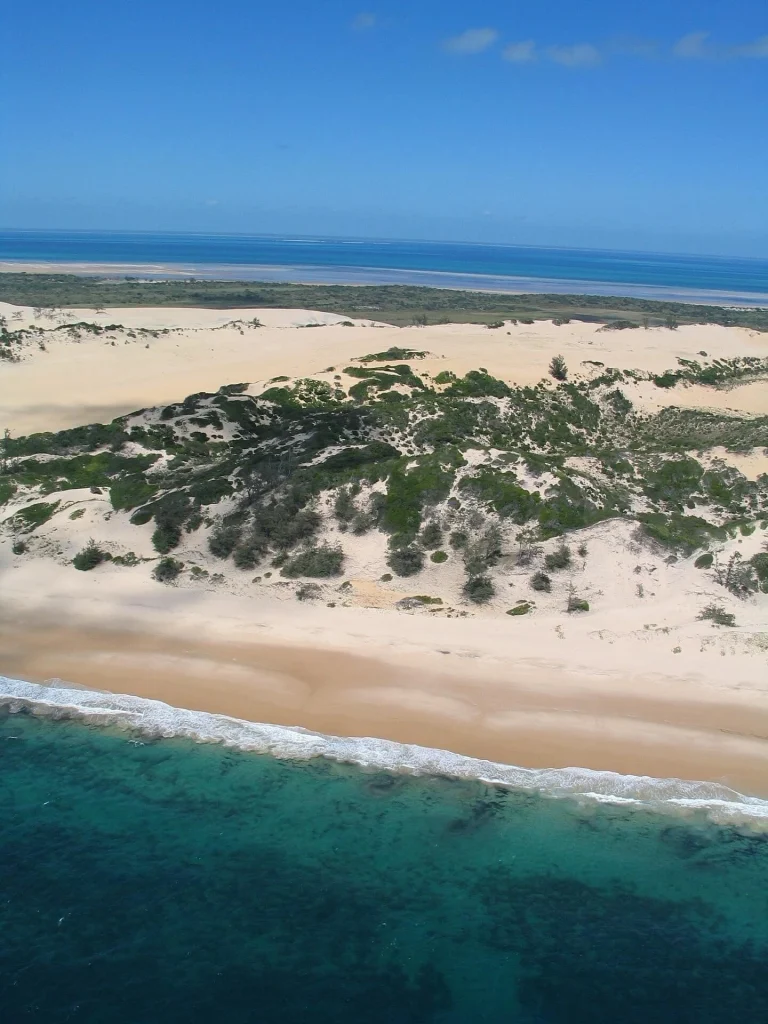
{"points": [[161, 880]]}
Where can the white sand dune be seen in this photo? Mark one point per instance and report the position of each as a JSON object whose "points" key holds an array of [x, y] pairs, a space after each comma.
{"points": [[639, 685]]}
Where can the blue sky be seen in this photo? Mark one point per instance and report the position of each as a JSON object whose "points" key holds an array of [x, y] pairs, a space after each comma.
{"points": [[624, 125]]}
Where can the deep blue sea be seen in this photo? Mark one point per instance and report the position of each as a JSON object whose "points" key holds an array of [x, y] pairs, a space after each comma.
{"points": [[159, 881], [370, 261]]}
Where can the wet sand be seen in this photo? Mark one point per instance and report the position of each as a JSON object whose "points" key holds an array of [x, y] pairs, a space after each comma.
{"points": [[529, 717]]}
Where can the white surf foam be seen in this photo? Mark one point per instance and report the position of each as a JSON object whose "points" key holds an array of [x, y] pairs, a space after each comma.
{"points": [[155, 719]]}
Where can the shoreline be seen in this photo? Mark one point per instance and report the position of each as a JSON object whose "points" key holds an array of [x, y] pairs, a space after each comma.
{"points": [[447, 685], [309, 274], [159, 720]]}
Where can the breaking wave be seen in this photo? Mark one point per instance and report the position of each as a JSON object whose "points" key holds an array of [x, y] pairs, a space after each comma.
{"points": [[155, 720]]}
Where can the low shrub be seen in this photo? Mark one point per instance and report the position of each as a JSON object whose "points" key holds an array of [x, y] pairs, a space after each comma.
{"points": [[577, 604], [167, 569], [479, 589], [319, 561], [223, 540], [458, 539], [717, 614], [520, 609], [438, 557], [129, 559], [541, 582], [759, 564], [91, 556], [432, 535], [35, 515], [560, 558], [308, 592], [558, 369], [19, 547], [406, 561]]}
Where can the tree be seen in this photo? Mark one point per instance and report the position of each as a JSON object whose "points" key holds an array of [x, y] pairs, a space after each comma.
{"points": [[558, 369]]}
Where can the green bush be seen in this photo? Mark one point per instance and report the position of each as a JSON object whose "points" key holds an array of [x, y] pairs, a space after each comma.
{"points": [[717, 614], [166, 537], [223, 540], [520, 609], [458, 539], [35, 515], [319, 561], [19, 547], [479, 589], [759, 564], [406, 561], [560, 558], [250, 551], [431, 535], [685, 533], [540, 581], [504, 494], [704, 561], [91, 556], [577, 604], [557, 368], [130, 492], [438, 557], [167, 569]]}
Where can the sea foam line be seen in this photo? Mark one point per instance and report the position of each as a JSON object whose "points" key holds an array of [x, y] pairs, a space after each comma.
{"points": [[156, 720]]}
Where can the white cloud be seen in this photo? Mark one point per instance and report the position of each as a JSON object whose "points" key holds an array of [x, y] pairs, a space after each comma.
{"points": [[696, 46], [693, 46], [520, 53], [474, 40], [364, 21], [581, 55], [757, 48]]}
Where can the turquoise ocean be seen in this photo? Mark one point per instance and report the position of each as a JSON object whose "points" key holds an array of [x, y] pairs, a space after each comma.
{"points": [[729, 280], [147, 877]]}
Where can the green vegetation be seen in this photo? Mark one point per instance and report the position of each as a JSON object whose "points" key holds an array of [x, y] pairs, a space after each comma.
{"points": [[759, 565], [443, 465], [523, 608], [393, 353], [479, 589], [560, 558], [91, 556], [35, 515], [315, 561], [717, 614], [557, 368], [406, 561], [541, 582], [398, 304], [167, 570]]}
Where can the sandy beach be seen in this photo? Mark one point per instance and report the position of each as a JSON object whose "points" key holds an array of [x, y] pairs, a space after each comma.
{"points": [[633, 687], [542, 696]]}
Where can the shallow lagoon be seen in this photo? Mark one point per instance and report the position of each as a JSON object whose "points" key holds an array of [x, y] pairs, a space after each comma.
{"points": [[162, 880]]}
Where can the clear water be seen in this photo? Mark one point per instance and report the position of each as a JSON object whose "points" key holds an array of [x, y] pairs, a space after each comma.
{"points": [[165, 881], [454, 264]]}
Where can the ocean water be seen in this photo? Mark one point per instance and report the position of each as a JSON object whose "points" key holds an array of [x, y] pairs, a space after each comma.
{"points": [[371, 261], [148, 879]]}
